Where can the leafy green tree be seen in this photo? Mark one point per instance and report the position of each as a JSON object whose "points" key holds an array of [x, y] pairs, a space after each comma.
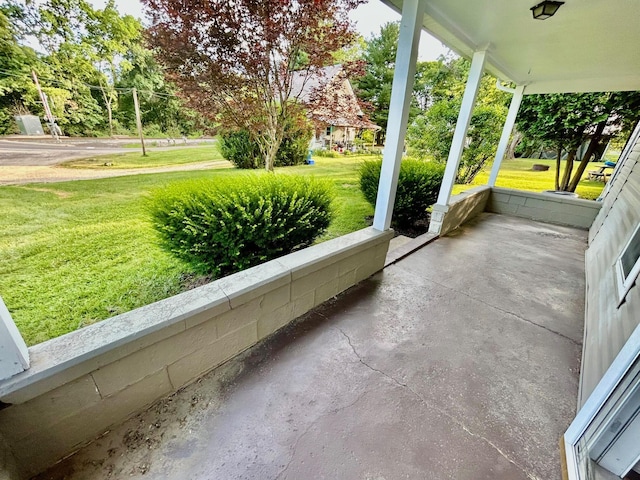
{"points": [[430, 135], [565, 121], [88, 60], [16, 63], [374, 87], [111, 36], [159, 102]]}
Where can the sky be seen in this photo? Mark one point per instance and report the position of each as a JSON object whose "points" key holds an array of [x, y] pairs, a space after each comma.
{"points": [[369, 17]]}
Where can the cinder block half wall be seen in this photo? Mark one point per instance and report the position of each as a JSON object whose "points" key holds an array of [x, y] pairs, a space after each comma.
{"points": [[81, 384]]}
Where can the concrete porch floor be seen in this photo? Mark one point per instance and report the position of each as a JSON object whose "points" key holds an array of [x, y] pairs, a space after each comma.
{"points": [[460, 361]]}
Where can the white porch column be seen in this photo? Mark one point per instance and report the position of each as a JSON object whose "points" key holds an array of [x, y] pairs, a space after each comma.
{"points": [[403, 77], [14, 356], [514, 106], [462, 125], [457, 144]]}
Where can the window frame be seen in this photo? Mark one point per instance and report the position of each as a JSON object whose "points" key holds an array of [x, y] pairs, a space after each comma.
{"points": [[625, 283]]}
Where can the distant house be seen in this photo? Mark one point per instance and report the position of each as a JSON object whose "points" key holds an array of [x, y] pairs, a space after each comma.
{"points": [[333, 107]]}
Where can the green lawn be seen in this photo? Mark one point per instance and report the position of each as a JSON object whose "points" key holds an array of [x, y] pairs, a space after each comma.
{"points": [[517, 174], [175, 156], [74, 253]]}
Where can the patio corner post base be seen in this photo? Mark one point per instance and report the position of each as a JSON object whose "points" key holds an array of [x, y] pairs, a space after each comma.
{"points": [[462, 126], [14, 356], [437, 218], [403, 78], [510, 121]]}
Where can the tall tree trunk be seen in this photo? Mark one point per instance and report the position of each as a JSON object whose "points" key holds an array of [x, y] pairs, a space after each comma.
{"points": [[270, 158], [516, 138], [593, 146], [271, 145], [558, 158], [568, 168]]}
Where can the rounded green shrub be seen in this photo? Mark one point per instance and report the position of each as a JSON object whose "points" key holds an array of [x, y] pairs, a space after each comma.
{"points": [[238, 147], [418, 185], [227, 225]]}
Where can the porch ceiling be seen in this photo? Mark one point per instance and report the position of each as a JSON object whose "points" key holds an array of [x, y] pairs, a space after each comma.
{"points": [[589, 45]]}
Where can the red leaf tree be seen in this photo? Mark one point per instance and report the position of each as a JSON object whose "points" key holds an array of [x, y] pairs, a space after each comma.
{"points": [[234, 60]]}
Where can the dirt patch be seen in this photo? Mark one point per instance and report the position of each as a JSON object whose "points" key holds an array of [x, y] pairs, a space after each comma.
{"points": [[16, 175], [57, 193], [417, 229]]}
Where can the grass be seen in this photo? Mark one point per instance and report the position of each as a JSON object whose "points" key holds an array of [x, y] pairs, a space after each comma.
{"points": [[517, 174], [74, 253], [175, 156], [164, 142]]}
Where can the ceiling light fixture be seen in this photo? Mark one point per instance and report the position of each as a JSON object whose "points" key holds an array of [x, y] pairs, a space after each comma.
{"points": [[546, 9]]}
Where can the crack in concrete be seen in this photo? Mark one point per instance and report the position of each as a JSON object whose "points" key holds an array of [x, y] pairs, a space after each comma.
{"points": [[451, 417], [550, 330], [311, 425], [523, 319]]}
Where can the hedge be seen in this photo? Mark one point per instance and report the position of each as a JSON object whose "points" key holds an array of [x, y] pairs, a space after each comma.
{"points": [[226, 225], [418, 186]]}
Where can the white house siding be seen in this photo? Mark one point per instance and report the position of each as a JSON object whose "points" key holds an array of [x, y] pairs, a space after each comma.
{"points": [[607, 326]]}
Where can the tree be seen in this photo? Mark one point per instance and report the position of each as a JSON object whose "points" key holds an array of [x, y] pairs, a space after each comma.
{"points": [[234, 61], [17, 62], [374, 87], [565, 121], [111, 36], [431, 133], [87, 61]]}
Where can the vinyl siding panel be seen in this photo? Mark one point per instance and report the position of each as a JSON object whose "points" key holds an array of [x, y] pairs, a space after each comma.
{"points": [[607, 327]]}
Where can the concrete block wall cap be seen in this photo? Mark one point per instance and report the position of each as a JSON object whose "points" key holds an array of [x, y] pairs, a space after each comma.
{"points": [[475, 190], [549, 197], [254, 281], [334, 250], [61, 353]]}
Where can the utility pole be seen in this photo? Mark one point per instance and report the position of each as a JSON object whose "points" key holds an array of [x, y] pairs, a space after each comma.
{"points": [[51, 121], [138, 120]]}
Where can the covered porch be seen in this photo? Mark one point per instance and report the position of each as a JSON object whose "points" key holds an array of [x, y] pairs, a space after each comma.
{"points": [[459, 361]]}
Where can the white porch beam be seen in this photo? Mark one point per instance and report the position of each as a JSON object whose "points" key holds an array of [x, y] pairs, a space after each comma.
{"points": [[14, 356], [514, 106], [462, 125], [403, 77]]}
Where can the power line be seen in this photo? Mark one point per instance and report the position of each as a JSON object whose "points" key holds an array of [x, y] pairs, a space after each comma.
{"points": [[91, 87]]}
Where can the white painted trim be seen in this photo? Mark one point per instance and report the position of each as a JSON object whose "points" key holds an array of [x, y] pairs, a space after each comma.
{"points": [[403, 78], [462, 125], [500, 86], [613, 376], [626, 282], [631, 142], [14, 355], [510, 121]]}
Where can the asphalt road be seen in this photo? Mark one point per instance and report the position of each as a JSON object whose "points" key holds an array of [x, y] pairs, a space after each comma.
{"points": [[42, 152], [25, 161]]}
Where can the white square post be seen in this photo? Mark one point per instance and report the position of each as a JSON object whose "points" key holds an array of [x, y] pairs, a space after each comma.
{"points": [[14, 355], [403, 78], [514, 106], [457, 144]]}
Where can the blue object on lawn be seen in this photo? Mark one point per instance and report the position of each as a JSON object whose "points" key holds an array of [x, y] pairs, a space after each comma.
{"points": [[310, 162], [609, 164]]}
